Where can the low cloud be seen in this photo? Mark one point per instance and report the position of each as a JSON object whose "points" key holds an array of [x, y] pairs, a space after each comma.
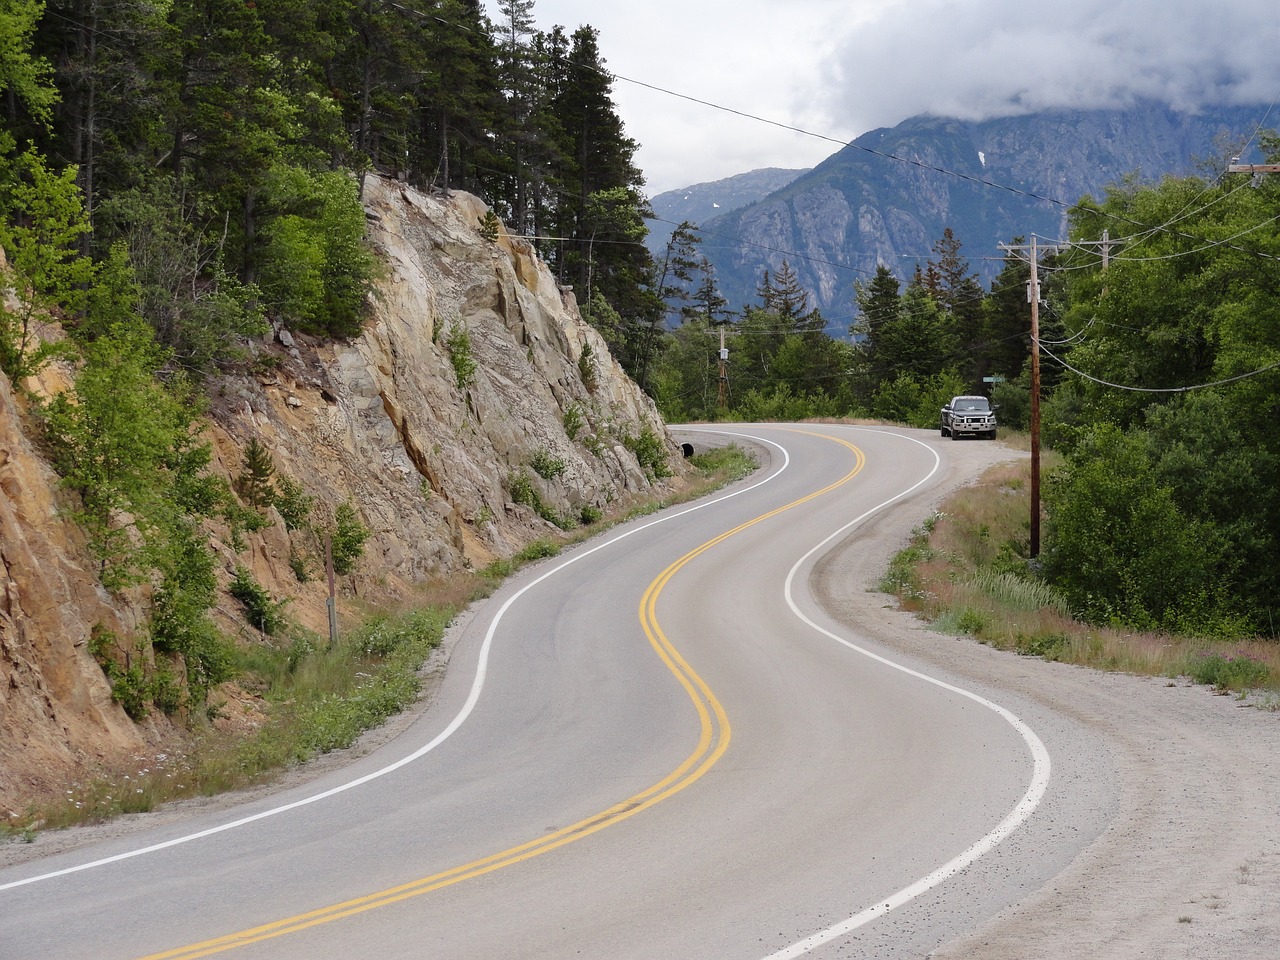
{"points": [[979, 59]]}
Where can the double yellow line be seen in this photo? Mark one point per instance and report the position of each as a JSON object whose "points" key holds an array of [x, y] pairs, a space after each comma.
{"points": [[713, 741]]}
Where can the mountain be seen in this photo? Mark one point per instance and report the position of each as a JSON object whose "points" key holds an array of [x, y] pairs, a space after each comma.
{"points": [[990, 181], [703, 202]]}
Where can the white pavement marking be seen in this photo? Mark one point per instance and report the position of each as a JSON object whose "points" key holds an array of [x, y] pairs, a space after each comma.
{"points": [[1016, 817]]}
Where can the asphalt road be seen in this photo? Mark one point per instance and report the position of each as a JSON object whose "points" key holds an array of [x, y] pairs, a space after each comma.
{"points": [[657, 745]]}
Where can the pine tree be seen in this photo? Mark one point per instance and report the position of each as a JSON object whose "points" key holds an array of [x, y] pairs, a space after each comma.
{"points": [[254, 484]]}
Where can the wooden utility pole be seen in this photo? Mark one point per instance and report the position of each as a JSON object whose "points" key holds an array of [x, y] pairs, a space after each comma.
{"points": [[1033, 295], [722, 393], [333, 594], [1033, 291]]}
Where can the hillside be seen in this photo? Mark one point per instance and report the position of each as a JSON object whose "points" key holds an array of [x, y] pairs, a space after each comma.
{"points": [[387, 422], [703, 202], [859, 208]]}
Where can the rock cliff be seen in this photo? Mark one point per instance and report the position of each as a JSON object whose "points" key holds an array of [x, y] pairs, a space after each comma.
{"points": [[475, 405]]}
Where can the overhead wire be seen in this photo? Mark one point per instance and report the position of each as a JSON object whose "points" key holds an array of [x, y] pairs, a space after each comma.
{"points": [[1182, 389], [1147, 230]]}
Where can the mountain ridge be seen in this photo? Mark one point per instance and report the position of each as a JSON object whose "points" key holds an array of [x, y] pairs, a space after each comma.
{"points": [[887, 197]]}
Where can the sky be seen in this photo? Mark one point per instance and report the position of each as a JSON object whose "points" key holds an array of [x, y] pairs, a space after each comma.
{"points": [[839, 68]]}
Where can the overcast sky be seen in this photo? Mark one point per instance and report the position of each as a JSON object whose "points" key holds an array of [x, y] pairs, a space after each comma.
{"points": [[838, 68]]}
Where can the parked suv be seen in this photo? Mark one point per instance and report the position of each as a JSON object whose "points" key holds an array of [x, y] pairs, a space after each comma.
{"points": [[971, 415]]}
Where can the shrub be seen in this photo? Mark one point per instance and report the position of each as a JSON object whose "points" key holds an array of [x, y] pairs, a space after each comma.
{"points": [[650, 452], [293, 503], [1238, 672], [458, 342], [547, 466], [573, 421], [261, 610]]}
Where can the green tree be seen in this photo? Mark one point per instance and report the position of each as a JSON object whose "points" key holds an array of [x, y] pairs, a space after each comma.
{"points": [[40, 232], [196, 310], [1006, 319], [254, 482], [25, 76], [1120, 549]]}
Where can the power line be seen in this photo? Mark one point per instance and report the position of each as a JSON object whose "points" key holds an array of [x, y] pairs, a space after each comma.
{"points": [[1132, 389]]}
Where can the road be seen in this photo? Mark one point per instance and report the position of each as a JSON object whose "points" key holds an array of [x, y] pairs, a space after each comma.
{"points": [[658, 745]]}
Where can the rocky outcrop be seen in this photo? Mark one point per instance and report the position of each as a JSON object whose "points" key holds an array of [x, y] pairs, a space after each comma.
{"points": [[56, 713], [475, 408]]}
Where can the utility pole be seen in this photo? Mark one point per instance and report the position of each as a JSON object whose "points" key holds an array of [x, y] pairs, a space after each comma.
{"points": [[722, 394], [1033, 296], [1033, 291]]}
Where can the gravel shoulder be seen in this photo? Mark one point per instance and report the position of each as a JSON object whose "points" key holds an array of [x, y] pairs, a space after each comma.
{"points": [[1187, 864]]}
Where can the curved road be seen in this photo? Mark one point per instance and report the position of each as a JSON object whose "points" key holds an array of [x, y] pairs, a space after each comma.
{"points": [[657, 745]]}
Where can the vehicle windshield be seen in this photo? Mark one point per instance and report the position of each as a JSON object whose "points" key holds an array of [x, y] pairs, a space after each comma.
{"points": [[969, 404]]}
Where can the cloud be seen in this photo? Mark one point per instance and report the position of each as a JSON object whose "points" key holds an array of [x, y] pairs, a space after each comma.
{"points": [[978, 59]]}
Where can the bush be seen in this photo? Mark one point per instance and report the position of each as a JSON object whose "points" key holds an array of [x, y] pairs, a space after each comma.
{"points": [[1229, 672], [460, 356], [1119, 548], [650, 452], [547, 466], [263, 612], [293, 503], [574, 420]]}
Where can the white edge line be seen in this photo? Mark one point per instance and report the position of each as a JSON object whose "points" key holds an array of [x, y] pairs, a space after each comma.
{"points": [[1021, 811], [473, 697]]}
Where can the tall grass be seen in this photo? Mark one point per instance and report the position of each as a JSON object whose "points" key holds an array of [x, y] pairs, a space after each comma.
{"points": [[966, 570]]}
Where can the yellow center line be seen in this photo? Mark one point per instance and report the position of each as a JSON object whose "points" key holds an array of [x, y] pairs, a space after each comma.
{"points": [[713, 741]]}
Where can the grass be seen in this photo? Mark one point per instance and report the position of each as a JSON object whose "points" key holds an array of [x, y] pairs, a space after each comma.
{"points": [[966, 571], [316, 698]]}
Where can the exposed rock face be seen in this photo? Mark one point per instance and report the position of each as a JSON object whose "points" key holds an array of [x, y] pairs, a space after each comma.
{"points": [[56, 712], [395, 422]]}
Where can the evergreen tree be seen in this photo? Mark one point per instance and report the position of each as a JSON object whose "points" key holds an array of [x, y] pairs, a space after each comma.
{"points": [[949, 281]]}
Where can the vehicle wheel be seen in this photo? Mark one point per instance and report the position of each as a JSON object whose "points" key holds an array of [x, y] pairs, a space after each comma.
{"points": [[991, 435], [944, 432]]}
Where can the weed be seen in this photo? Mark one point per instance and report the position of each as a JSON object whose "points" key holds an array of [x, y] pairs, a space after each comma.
{"points": [[1225, 672], [727, 463], [966, 570], [1051, 646], [574, 421]]}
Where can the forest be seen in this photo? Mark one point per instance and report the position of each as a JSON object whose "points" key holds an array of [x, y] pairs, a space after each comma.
{"points": [[176, 175]]}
